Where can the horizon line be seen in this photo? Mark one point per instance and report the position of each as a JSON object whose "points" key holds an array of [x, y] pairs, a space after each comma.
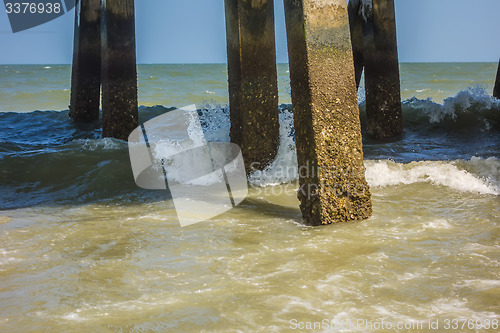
{"points": [[225, 63]]}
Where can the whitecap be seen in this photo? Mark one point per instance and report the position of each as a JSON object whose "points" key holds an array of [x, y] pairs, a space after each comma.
{"points": [[387, 173], [473, 100], [475, 176]]}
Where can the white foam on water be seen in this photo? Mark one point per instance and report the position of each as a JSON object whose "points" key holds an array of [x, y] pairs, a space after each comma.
{"points": [[5, 257], [480, 285], [195, 131], [100, 144], [284, 167], [90, 312], [471, 99], [73, 317], [186, 137], [388, 173], [177, 170], [466, 98], [488, 169], [215, 121], [477, 175], [440, 224]]}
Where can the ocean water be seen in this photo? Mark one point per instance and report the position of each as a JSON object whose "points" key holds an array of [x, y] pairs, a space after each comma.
{"points": [[83, 249]]}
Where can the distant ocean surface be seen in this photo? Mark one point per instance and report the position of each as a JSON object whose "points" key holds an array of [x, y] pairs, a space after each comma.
{"points": [[26, 88], [83, 248]]}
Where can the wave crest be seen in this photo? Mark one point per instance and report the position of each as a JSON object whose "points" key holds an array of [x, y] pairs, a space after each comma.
{"points": [[457, 175], [470, 108]]}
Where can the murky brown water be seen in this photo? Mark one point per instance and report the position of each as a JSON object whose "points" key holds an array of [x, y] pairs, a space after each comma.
{"points": [[428, 253], [82, 249]]}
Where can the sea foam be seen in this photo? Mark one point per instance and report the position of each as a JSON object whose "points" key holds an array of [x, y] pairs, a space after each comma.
{"points": [[477, 175], [469, 107], [388, 173]]}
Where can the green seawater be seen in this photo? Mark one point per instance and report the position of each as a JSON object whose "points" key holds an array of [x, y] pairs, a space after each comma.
{"points": [[82, 249], [26, 88]]}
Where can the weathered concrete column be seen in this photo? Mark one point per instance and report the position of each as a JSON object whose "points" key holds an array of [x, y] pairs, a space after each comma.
{"points": [[496, 90], [119, 72], [326, 115], [383, 95], [253, 83], [354, 9], [86, 71]]}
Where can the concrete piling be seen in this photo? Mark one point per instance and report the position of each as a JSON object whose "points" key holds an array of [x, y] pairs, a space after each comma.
{"points": [[86, 70], [354, 8], [119, 72], [252, 77], [326, 115], [496, 90], [382, 84]]}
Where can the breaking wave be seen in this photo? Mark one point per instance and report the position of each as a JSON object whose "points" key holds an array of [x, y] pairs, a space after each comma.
{"points": [[45, 158]]}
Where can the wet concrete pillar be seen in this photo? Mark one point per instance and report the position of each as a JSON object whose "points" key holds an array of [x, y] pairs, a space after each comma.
{"points": [[496, 90], [326, 115], [253, 83], [354, 9], [382, 85], [119, 72], [86, 71]]}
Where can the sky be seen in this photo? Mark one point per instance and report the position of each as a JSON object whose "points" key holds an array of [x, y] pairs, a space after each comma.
{"points": [[193, 31]]}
